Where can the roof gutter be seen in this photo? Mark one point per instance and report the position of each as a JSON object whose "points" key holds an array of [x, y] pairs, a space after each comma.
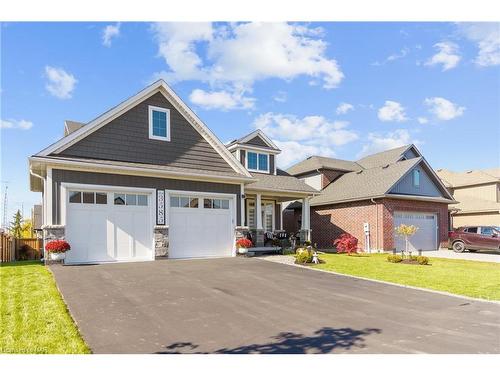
{"points": [[389, 196]]}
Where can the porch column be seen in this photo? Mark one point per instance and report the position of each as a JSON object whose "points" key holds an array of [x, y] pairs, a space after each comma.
{"points": [[242, 211], [281, 215], [305, 232], [259, 232], [258, 211]]}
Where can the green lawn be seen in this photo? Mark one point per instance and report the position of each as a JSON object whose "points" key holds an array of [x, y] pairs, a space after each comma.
{"points": [[468, 278], [33, 316]]}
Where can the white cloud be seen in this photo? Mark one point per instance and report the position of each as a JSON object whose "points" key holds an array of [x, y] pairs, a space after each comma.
{"points": [[280, 96], [487, 37], [443, 109], [381, 142], [16, 124], [240, 54], [448, 56], [422, 120], [60, 83], [392, 111], [395, 56], [110, 32], [310, 135], [223, 100], [177, 45], [343, 108]]}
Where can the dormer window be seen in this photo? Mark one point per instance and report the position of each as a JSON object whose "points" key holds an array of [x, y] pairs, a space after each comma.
{"points": [[159, 123], [257, 162]]}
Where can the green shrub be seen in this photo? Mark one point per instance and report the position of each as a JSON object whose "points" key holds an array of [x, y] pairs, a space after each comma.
{"points": [[303, 255], [394, 258], [422, 260]]}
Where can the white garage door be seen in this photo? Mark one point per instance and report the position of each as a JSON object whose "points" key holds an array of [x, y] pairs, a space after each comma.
{"points": [[200, 226], [426, 236], [104, 226]]}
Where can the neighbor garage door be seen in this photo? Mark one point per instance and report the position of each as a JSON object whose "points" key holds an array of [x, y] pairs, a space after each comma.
{"points": [[104, 226], [200, 226], [426, 236]]}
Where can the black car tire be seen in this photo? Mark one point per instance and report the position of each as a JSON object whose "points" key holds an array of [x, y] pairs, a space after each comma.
{"points": [[458, 247]]}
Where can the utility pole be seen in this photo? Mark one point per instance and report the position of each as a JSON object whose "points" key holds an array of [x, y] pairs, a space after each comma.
{"points": [[4, 206]]}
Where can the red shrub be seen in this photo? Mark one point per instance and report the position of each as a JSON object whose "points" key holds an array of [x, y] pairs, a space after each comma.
{"points": [[244, 242], [346, 243], [57, 246]]}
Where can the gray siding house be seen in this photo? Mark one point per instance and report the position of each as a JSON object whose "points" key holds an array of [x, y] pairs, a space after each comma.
{"points": [[148, 179]]}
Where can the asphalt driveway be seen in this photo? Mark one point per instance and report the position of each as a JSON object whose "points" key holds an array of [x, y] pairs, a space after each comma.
{"points": [[245, 305]]}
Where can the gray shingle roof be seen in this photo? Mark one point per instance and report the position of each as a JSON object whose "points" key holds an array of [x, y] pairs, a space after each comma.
{"points": [[365, 183], [280, 182], [383, 158], [319, 162]]}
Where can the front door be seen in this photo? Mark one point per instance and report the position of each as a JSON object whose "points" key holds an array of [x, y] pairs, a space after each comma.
{"points": [[266, 212]]}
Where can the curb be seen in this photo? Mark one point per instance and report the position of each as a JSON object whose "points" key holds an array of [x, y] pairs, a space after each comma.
{"points": [[388, 283]]}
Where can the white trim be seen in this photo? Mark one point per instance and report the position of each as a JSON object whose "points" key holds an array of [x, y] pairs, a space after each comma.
{"points": [[258, 154], [165, 90], [284, 192], [152, 108], [48, 194], [242, 205], [261, 134], [114, 169], [247, 147]]}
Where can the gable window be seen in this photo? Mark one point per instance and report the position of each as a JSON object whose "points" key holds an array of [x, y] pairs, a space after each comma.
{"points": [[159, 123], [257, 162], [416, 178]]}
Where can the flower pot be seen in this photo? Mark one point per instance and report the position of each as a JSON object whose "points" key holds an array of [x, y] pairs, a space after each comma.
{"points": [[242, 250], [57, 256]]}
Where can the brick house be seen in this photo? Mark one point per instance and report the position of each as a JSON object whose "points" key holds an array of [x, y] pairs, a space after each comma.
{"points": [[377, 193]]}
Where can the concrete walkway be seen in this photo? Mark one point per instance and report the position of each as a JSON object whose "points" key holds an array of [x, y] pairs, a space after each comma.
{"points": [[482, 256]]}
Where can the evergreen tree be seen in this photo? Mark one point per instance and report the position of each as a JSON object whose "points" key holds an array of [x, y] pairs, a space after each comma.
{"points": [[16, 226]]}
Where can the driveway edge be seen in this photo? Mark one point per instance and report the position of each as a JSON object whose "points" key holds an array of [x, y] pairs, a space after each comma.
{"points": [[385, 282]]}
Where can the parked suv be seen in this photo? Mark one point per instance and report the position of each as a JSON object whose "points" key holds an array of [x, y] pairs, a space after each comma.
{"points": [[474, 238]]}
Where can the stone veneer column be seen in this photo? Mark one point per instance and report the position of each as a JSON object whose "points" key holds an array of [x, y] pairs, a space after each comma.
{"points": [[53, 232], [240, 232], [161, 241], [50, 233]]}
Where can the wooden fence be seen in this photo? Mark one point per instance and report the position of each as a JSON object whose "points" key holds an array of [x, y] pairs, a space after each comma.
{"points": [[19, 248], [7, 248]]}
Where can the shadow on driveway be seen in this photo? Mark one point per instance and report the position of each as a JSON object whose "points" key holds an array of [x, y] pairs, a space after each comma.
{"points": [[325, 340]]}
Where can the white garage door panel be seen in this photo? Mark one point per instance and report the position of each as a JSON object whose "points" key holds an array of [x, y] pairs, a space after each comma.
{"points": [[108, 232], [200, 232], [426, 236]]}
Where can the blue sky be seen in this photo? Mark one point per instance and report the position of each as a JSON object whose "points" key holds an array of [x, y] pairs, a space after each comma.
{"points": [[334, 89]]}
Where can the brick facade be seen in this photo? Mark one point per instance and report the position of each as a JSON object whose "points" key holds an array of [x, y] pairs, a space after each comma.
{"points": [[329, 221]]}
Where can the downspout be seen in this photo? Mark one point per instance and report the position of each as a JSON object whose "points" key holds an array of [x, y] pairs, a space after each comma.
{"points": [[376, 221]]}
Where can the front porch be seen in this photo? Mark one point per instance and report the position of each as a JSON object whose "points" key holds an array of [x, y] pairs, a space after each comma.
{"points": [[262, 216]]}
